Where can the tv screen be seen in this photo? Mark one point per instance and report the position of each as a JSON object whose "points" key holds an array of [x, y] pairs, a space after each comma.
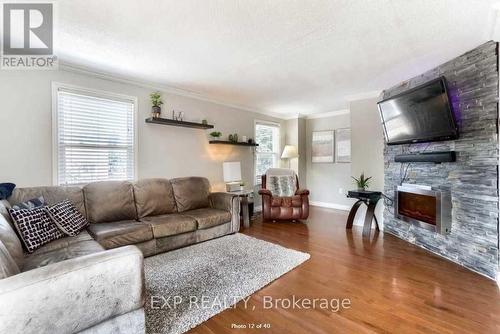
{"points": [[421, 114]]}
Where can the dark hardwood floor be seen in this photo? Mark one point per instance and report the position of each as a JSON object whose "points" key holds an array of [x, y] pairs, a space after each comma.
{"points": [[393, 286]]}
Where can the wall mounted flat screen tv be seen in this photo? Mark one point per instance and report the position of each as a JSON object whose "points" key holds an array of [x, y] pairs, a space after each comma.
{"points": [[421, 114]]}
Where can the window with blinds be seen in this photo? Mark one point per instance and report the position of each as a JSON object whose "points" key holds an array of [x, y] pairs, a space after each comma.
{"points": [[95, 138], [267, 155]]}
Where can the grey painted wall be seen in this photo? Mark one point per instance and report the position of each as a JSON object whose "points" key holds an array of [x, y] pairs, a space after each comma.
{"points": [[367, 149], [163, 151], [295, 134], [327, 180], [473, 178]]}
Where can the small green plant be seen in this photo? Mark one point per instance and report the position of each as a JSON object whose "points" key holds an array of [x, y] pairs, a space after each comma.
{"points": [[233, 138], [156, 99], [216, 134], [242, 184], [362, 182]]}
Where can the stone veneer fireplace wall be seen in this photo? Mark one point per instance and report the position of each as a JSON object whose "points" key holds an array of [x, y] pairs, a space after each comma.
{"points": [[473, 179]]}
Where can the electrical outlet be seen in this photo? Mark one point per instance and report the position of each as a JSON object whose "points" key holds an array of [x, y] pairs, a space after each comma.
{"points": [[341, 191]]}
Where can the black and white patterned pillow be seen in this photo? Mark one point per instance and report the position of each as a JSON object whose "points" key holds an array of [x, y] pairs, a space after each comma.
{"points": [[35, 227], [67, 217]]}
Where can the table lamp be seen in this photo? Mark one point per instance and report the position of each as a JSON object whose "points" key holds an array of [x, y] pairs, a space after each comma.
{"points": [[232, 175], [289, 152]]}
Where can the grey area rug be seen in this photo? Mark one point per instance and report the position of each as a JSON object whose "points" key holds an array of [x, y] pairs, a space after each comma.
{"points": [[187, 286]]}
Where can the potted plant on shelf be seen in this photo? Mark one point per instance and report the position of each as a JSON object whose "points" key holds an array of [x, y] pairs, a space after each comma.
{"points": [[242, 185], [216, 134], [362, 182], [233, 138], [156, 103]]}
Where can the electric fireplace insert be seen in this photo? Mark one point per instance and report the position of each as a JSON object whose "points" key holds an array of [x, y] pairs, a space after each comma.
{"points": [[424, 207]]}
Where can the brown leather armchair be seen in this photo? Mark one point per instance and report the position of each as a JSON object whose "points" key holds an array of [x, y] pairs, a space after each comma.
{"points": [[284, 208]]}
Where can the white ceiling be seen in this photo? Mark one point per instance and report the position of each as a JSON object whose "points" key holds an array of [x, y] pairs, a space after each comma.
{"points": [[273, 56]]}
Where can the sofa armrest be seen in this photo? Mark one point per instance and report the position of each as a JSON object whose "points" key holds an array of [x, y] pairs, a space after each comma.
{"points": [[265, 192], [72, 295], [228, 202], [302, 192], [222, 201]]}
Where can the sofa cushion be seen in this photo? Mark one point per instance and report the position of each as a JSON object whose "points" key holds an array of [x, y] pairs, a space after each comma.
{"points": [[11, 242], [122, 233], [191, 193], [67, 218], [154, 197], [171, 224], [72, 250], [62, 243], [287, 202], [30, 204], [208, 217], [52, 195], [35, 227], [109, 201]]}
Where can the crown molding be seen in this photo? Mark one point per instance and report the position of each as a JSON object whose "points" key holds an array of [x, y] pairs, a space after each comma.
{"points": [[364, 95], [329, 114], [68, 67]]}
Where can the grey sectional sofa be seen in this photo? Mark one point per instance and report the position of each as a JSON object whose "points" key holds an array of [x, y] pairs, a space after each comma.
{"points": [[93, 283]]}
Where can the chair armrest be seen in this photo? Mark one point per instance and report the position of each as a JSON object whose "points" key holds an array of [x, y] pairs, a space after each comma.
{"points": [[72, 295], [265, 192], [302, 192]]}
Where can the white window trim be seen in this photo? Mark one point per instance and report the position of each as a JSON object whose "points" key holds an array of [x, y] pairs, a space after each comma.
{"points": [[260, 121], [97, 93]]}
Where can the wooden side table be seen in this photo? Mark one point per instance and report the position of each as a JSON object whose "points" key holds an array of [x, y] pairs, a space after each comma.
{"points": [[243, 196], [370, 199]]}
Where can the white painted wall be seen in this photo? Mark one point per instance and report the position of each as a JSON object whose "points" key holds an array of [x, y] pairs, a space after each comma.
{"points": [[328, 182], [163, 151], [367, 148]]}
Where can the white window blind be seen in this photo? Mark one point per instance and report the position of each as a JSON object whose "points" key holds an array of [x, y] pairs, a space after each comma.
{"points": [[267, 155], [95, 137]]}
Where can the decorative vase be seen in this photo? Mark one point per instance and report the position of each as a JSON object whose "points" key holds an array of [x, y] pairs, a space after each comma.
{"points": [[156, 111]]}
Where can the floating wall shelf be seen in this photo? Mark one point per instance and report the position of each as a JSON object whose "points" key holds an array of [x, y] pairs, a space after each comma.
{"points": [[226, 142], [184, 124]]}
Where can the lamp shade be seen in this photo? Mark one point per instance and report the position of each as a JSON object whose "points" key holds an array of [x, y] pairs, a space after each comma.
{"points": [[289, 152], [231, 171]]}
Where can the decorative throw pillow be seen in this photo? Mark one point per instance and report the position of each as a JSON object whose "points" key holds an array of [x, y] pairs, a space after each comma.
{"points": [[35, 227], [31, 204], [6, 190], [67, 217], [281, 185]]}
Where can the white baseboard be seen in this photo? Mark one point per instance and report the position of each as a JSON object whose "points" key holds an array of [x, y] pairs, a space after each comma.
{"points": [[331, 205]]}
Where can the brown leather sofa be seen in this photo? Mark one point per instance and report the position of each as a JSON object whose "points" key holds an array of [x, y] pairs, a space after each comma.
{"points": [[295, 207]]}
